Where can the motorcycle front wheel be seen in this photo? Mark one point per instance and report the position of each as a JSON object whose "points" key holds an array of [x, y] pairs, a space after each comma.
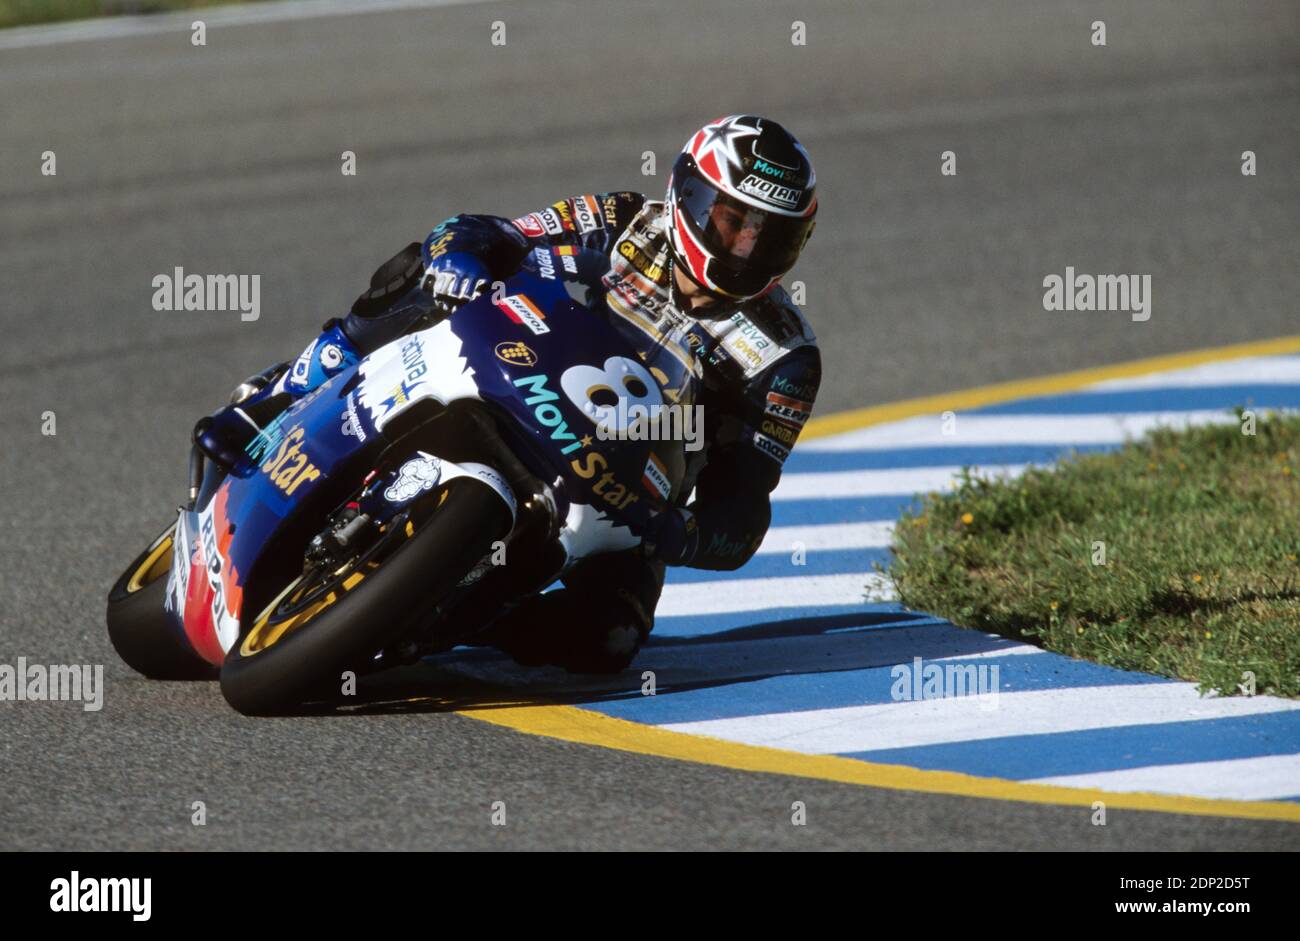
{"points": [[333, 619]]}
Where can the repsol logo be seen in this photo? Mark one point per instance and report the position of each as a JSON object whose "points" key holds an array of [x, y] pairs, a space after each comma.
{"points": [[213, 558], [545, 266]]}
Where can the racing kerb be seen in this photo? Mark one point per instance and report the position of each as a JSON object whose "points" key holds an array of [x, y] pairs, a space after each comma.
{"points": [[786, 669]]}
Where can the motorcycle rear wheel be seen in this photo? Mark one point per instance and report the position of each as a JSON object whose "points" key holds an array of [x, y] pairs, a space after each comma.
{"points": [[326, 622]]}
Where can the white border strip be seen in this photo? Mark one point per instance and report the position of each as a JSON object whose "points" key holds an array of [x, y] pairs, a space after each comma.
{"points": [[956, 719], [780, 540], [732, 595], [274, 11], [881, 482], [1271, 777]]}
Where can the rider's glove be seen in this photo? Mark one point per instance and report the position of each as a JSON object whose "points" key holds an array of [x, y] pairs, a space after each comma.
{"points": [[457, 277], [671, 536]]}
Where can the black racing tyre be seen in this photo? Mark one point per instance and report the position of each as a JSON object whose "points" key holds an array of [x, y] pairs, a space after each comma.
{"points": [[325, 623], [140, 630]]}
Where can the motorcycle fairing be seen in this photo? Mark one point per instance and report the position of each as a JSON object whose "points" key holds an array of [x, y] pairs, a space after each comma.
{"points": [[532, 352]]}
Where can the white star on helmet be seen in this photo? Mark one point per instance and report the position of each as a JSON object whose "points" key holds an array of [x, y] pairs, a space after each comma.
{"points": [[721, 138]]}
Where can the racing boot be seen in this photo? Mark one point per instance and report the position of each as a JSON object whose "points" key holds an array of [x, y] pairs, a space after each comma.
{"points": [[561, 629]]}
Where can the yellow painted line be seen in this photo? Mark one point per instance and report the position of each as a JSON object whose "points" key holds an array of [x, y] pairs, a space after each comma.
{"points": [[572, 724], [1042, 385]]}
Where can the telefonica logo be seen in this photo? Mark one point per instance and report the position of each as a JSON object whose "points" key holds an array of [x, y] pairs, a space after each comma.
{"points": [[76, 894]]}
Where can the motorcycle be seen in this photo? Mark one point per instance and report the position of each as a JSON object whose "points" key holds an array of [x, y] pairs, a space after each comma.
{"points": [[369, 514]]}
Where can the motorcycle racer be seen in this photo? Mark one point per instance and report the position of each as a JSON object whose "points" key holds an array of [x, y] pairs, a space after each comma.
{"points": [[693, 282]]}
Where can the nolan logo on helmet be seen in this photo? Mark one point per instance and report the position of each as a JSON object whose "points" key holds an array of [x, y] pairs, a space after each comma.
{"points": [[773, 192]]}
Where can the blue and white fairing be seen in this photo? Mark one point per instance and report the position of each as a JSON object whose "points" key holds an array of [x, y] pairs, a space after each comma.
{"points": [[560, 371], [547, 362], [311, 450]]}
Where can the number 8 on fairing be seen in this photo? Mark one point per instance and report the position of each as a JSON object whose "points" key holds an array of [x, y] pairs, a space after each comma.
{"points": [[608, 395]]}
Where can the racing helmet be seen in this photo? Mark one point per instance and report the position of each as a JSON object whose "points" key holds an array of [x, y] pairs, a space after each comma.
{"points": [[741, 205]]}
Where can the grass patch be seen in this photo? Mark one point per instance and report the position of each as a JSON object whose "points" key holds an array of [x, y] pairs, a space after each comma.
{"points": [[26, 12], [1201, 533]]}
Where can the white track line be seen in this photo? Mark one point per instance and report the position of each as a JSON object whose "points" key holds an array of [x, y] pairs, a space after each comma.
{"points": [[1259, 370], [973, 430], [1019, 650], [829, 485], [756, 594], [1251, 779], [696, 662], [120, 27], [783, 539], [963, 719]]}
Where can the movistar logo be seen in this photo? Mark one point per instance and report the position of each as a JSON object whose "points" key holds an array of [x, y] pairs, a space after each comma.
{"points": [[547, 413], [762, 166]]}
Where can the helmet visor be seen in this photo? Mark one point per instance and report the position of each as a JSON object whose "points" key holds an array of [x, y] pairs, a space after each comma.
{"points": [[751, 246]]}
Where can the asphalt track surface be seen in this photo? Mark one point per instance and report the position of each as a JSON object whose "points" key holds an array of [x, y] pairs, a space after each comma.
{"points": [[1120, 159]]}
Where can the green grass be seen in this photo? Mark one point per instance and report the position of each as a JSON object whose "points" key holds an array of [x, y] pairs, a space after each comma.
{"points": [[24, 12], [1201, 579]]}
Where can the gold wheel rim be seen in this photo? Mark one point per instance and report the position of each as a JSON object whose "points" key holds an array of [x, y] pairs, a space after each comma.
{"points": [[154, 565], [264, 634]]}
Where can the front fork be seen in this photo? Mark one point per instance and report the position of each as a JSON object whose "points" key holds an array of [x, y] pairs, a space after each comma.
{"points": [[408, 493], [402, 490]]}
